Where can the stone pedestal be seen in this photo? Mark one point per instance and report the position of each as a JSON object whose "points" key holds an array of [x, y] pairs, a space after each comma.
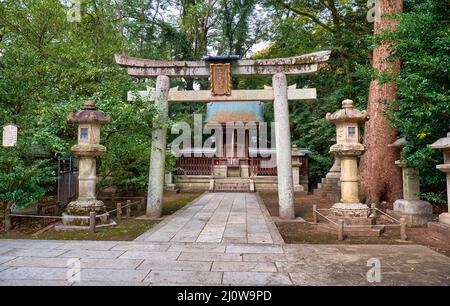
{"points": [[245, 171], [415, 211], [296, 177], [168, 181], [220, 171]]}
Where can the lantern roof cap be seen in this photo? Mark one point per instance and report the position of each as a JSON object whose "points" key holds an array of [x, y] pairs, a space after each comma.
{"points": [[88, 114], [348, 114], [442, 143], [399, 143]]}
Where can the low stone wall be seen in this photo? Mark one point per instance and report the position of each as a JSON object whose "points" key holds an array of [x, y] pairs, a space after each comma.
{"points": [[202, 183], [193, 183]]}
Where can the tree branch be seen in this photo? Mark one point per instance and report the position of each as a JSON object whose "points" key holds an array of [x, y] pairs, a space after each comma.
{"points": [[306, 14]]}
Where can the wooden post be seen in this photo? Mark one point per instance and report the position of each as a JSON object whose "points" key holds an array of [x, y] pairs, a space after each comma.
{"points": [[113, 199], [340, 230], [92, 217], [139, 204], [119, 212], [374, 210], [8, 224], [128, 209], [315, 214], [403, 229]]}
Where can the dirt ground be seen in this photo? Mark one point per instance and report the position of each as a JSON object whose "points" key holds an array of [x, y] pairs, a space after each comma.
{"points": [[128, 229], [306, 232]]}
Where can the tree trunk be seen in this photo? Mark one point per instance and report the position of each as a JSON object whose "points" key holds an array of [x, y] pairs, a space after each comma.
{"points": [[381, 179]]}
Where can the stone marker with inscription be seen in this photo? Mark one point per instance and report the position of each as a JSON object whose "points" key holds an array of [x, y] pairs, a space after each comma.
{"points": [[9, 135]]}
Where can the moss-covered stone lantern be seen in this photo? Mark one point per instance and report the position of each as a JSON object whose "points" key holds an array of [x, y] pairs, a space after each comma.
{"points": [[88, 148], [348, 149]]}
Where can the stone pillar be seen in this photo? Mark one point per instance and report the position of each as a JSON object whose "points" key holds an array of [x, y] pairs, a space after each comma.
{"points": [[349, 178], [283, 147], [87, 178], [348, 150], [158, 151]]}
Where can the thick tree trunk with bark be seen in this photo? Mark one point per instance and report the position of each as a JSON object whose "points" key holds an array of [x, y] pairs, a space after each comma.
{"points": [[381, 179]]}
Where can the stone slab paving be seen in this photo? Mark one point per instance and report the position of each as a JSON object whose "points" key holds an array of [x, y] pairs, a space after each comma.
{"points": [[193, 248], [218, 217], [181, 263]]}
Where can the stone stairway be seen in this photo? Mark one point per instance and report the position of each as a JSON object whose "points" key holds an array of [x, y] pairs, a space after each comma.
{"points": [[329, 188], [232, 185]]}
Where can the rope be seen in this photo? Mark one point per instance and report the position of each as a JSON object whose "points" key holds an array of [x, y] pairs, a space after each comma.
{"points": [[36, 216], [61, 217]]}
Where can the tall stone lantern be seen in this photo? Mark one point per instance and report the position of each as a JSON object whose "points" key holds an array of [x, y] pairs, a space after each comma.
{"points": [[87, 149], [442, 229], [348, 149]]}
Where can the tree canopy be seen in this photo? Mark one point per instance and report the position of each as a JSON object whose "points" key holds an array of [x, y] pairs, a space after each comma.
{"points": [[49, 66]]}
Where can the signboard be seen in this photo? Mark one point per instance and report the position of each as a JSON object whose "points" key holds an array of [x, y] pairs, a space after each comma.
{"points": [[220, 79], [9, 135]]}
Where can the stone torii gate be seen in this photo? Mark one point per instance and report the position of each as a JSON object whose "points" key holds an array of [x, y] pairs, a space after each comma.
{"points": [[220, 69]]}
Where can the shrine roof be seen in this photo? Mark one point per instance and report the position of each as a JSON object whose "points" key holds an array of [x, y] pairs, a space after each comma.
{"points": [[233, 112], [221, 58]]}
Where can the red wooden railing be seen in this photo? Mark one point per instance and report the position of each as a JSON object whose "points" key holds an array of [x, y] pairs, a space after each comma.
{"points": [[194, 166], [263, 167]]}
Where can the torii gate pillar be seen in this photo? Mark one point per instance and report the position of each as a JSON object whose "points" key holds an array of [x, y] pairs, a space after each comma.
{"points": [[158, 152], [283, 147]]}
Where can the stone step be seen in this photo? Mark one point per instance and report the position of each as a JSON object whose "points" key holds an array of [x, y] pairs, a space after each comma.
{"points": [[233, 185]]}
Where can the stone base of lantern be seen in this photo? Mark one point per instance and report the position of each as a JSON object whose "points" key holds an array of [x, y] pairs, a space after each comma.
{"points": [[358, 221], [81, 223], [351, 213], [415, 212], [77, 213], [84, 207]]}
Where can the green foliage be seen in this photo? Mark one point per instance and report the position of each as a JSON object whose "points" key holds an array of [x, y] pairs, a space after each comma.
{"points": [[23, 182], [422, 110], [297, 29], [49, 67]]}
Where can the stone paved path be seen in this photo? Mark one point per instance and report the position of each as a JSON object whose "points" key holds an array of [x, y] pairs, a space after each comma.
{"points": [[219, 217], [166, 256]]}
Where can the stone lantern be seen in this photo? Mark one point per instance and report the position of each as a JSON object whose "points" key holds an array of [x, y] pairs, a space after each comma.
{"points": [[87, 149], [296, 164], [415, 211], [443, 227], [348, 149]]}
